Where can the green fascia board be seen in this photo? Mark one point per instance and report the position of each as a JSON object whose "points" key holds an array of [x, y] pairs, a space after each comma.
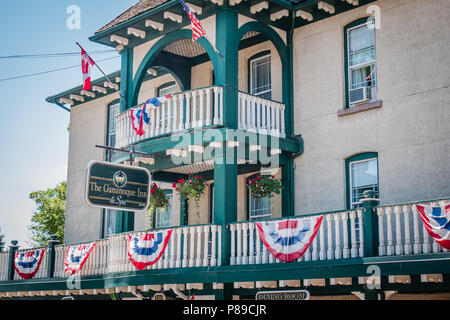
{"points": [[356, 267], [76, 90], [188, 137]]}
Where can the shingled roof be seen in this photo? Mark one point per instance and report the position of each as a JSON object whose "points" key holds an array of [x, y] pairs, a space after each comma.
{"points": [[135, 10]]}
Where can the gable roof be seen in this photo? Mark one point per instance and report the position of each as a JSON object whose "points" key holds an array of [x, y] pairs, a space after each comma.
{"points": [[135, 10]]}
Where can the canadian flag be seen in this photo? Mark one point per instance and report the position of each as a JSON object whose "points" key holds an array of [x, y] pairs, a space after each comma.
{"points": [[86, 63]]}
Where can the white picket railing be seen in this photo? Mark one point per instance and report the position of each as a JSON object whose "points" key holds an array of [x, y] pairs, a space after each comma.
{"points": [[401, 230], [4, 261], [185, 110], [261, 115], [334, 240], [96, 264], [190, 246], [42, 271]]}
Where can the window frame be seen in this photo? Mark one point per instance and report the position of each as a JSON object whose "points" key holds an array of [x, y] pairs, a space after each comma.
{"points": [[155, 219], [361, 157], [106, 212], [347, 28], [251, 60], [249, 199]]}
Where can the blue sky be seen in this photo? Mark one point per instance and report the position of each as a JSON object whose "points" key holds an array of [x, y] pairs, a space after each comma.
{"points": [[33, 133]]}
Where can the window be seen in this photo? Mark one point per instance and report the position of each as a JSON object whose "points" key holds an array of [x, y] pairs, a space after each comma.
{"points": [[163, 217], [168, 88], [259, 208], [260, 83], [113, 111], [360, 62], [362, 176], [109, 222], [109, 216]]}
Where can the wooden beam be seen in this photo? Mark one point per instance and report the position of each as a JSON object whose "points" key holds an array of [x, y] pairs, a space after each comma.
{"points": [[304, 15], [353, 2], [99, 89], [76, 97], [87, 93], [259, 7], [136, 32], [194, 8], [155, 25], [119, 40], [66, 101], [235, 2], [326, 7], [279, 14], [108, 84], [173, 16], [218, 2]]}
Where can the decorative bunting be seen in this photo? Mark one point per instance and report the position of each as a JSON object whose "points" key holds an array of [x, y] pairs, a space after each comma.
{"points": [[146, 250], [76, 257], [288, 239], [27, 263], [141, 115], [437, 223]]}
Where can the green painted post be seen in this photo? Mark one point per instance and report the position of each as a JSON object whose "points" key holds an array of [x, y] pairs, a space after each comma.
{"points": [[370, 224], [12, 254], [225, 162], [51, 256], [287, 194]]}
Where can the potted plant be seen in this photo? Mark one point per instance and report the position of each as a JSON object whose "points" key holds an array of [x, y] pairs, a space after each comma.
{"points": [[264, 186], [158, 200], [191, 188]]}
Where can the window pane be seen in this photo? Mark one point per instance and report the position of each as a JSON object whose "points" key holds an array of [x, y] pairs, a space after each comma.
{"points": [[260, 76], [259, 208], [363, 77], [164, 216], [109, 223], [113, 111], [361, 45], [363, 176]]}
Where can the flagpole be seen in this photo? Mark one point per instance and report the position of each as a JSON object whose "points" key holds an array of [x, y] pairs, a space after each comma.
{"points": [[95, 63]]}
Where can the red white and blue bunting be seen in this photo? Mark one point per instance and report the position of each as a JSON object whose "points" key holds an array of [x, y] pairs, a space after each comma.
{"points": [[76, 257], [27, 263], [437, 223], [146, 250], [288, 239]]}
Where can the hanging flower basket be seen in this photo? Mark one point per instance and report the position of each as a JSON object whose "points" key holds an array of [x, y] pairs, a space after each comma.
{"points": [[191, 188], [264, 186], [158, 200]]}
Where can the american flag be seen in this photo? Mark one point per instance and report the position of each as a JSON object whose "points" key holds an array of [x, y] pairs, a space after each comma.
{"points": [[197, 29]]}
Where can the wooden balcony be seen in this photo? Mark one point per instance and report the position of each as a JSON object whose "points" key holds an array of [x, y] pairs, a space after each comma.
{"points": [[203, 108], [195, 254]]}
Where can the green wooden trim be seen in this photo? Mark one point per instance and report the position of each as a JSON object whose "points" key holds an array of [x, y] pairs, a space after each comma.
{"points": [[357, 157]]}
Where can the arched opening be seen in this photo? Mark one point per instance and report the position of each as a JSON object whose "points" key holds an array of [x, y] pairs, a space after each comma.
{"points": [[181, 58]]}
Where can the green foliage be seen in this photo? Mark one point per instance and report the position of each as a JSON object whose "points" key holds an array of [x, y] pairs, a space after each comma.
{"points": [[49, 217], [191, 188], [264, 186], [158, 200]]}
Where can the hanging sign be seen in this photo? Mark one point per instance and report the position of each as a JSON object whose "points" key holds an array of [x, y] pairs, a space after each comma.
{"points": [[116, 186], [283, 295]]}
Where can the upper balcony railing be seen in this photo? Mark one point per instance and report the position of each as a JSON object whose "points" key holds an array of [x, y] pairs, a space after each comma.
{"points": [[200, 108]]}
